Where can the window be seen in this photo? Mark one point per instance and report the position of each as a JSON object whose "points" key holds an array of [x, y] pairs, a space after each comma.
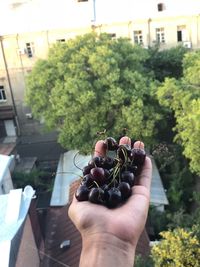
{"points": [[138, 39], [181, 33], [160, 7], [29, 49], [160, 35], [2, 94], [60, 40], [112, 35]]}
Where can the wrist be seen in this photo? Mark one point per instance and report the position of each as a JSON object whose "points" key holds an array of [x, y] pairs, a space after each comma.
{"points": [[106, 250]]}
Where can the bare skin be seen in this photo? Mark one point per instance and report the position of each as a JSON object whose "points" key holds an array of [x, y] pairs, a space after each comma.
{"points": [[110, 236]]}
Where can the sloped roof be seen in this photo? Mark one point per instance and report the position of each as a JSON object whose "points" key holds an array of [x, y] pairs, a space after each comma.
{"points": [[69, 168], [7, 148], [60, 228], [4, 164], [158, 195]]}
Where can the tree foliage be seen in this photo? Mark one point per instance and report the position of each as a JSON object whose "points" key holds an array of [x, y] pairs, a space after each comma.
{"points": [[167, 62], [178, 248], [183, 98], [92, 83]]}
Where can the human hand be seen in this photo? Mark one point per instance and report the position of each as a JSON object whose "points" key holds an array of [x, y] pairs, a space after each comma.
{"points": [[118, 228]]}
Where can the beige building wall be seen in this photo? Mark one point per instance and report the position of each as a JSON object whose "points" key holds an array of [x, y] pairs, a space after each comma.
{"points": [[19, 64]]}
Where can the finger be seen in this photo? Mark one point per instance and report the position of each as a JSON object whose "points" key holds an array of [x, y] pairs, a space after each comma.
{"points": [[100, 149], [138, 144], [145, 177], [125, 140]]}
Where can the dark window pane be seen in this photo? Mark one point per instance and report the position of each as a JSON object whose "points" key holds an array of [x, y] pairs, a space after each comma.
{"points": [[4, 94], [179, 36], [160, 7]]}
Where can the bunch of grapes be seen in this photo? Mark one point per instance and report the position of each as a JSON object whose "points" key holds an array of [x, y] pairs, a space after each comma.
{"points": [[108, 180]]}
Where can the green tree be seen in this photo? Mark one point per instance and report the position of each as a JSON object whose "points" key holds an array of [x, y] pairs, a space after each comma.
{"points": [[183, 98], [167, 62], [92, 83], [178, 248]]}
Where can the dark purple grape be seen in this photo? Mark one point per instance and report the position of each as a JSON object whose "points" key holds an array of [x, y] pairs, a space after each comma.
{"points": [[86, 169], [114, 197], [109, 163], [138, 156], [82, 193], [96, 162], [128, 177], [98, 175], [87, 180], [96, 195], [107, 174], [125, 190], [105, 188], [124, 152], [130, 167], [111, 143]]}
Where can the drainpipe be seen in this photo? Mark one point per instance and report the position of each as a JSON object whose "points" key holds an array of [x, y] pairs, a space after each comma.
{"points": [[20, 57], [149, 32], [198, 31], [94, 11], [93, 21], [10, 87]]}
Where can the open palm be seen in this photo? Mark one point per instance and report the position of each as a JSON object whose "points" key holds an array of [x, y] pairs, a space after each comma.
{"points": [[125, 222]]}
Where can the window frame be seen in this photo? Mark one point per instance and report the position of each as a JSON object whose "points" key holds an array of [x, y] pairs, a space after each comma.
{"points": [[30, 49], [3, 97], [160, 35], [181, 33], [160, 7], [138, 37], [61, 40]]}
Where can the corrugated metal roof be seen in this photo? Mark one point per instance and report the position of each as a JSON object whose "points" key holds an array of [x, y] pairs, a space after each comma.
{"points": [[158, 195], [67, 172]]}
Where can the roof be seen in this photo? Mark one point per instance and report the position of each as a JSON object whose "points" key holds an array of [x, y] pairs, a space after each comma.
{"points": [[60, 227], [14, 207], [4, 164], [7, 148], [69, 168], [158, 195], [6, 112], [26, 164]]}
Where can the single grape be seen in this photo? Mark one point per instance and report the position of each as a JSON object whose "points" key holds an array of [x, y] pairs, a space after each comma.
{"points": [[111, 143], [138, 156], [87, 180], [96, 162], [86, 169], [124, 152], [96, 195], [98, 175], [128, 177], [109, 163], [125, 190], [114, 197], [82, 193]]}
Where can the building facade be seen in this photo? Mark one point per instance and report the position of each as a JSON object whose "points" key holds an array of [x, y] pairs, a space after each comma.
{"points": [[33, 28]]}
